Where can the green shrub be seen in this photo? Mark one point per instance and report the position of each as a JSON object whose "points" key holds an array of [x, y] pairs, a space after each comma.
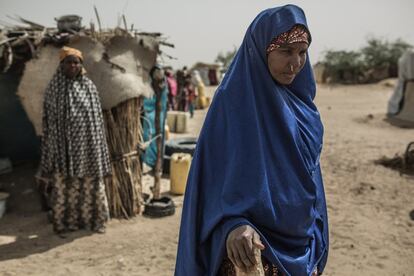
{"points": [[376, 61], [343, 66]]}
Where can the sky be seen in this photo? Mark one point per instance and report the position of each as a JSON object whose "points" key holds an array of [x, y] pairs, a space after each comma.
{"points": [[201, 29]]}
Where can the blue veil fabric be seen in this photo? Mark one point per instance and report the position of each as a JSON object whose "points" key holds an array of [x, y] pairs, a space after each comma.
{"points": [[149, 128], [257, 163]]}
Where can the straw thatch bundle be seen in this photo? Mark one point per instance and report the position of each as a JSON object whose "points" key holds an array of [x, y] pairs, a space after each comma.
{"points": [[124, 134]]}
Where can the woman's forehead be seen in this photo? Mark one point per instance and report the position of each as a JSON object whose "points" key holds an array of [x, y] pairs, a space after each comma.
{"points": [[295, 46], [72, 58]]}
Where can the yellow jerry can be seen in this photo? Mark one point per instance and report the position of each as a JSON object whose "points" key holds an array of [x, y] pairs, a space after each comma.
{"points": [[179, 168], [202, 102]]}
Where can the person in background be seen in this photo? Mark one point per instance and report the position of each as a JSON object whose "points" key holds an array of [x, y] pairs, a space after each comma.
{"points": [[200, 89], [172, 90], [190, 96], [159, 86], [75, 154], [181, 76], [255, 197]]}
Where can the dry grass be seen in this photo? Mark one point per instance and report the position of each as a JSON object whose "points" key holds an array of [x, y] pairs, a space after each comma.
{"points": [[124, 134]]}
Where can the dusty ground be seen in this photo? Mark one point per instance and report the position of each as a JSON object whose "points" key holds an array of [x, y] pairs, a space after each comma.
{"points": [[370, 229]]}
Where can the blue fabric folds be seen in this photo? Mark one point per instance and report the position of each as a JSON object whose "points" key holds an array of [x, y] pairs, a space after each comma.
{"points": [[149, 129], [257, 163]]}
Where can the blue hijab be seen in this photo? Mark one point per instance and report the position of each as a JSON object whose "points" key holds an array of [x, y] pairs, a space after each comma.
{"points": [[257, 163]]}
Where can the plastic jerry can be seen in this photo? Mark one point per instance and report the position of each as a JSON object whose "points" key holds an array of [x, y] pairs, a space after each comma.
{"points": [[179, 168], [181, 125]]}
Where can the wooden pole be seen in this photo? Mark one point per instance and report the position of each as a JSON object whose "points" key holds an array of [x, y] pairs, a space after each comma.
{"points": [[97, 18], [125, 23], [158, 164]]}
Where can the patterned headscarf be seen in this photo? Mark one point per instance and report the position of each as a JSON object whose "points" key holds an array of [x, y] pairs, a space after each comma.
{"points": [[68, 51], [298, 33]]}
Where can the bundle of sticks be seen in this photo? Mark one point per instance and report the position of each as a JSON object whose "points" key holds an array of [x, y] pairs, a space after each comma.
{"points": [[124, 135], [404, 163]]}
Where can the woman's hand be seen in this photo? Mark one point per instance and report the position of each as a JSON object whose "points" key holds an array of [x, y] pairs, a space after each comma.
{"points": [[241, 244]]}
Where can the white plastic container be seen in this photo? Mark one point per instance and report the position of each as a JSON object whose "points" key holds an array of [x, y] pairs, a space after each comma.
{"points": [[171, 120], [181, 125]]}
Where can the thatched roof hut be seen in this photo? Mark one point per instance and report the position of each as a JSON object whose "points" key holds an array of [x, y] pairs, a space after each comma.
{"points": [[117, 60], [210, 72]]}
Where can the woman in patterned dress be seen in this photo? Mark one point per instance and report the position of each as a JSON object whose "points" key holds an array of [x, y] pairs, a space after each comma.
{"points": [[75, 154]]}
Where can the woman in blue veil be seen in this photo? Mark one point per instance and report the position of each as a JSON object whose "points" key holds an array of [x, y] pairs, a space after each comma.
{"points": [[255, 179], [159, 85]]}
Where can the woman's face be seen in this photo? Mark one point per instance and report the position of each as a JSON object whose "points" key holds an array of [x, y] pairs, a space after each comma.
{"points": [[71, 66], [285, 62]]}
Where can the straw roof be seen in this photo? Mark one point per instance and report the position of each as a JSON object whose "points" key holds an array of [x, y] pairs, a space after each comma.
{"points": [[117, 60]]}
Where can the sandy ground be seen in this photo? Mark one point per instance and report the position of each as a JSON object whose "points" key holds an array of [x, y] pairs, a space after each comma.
{"points": [[370, 229]]}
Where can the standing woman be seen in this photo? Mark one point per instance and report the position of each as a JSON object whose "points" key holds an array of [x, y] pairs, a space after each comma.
{"points": [[74, 149], [160, 87], [255, 181], [172, 89], [190, 95]]}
